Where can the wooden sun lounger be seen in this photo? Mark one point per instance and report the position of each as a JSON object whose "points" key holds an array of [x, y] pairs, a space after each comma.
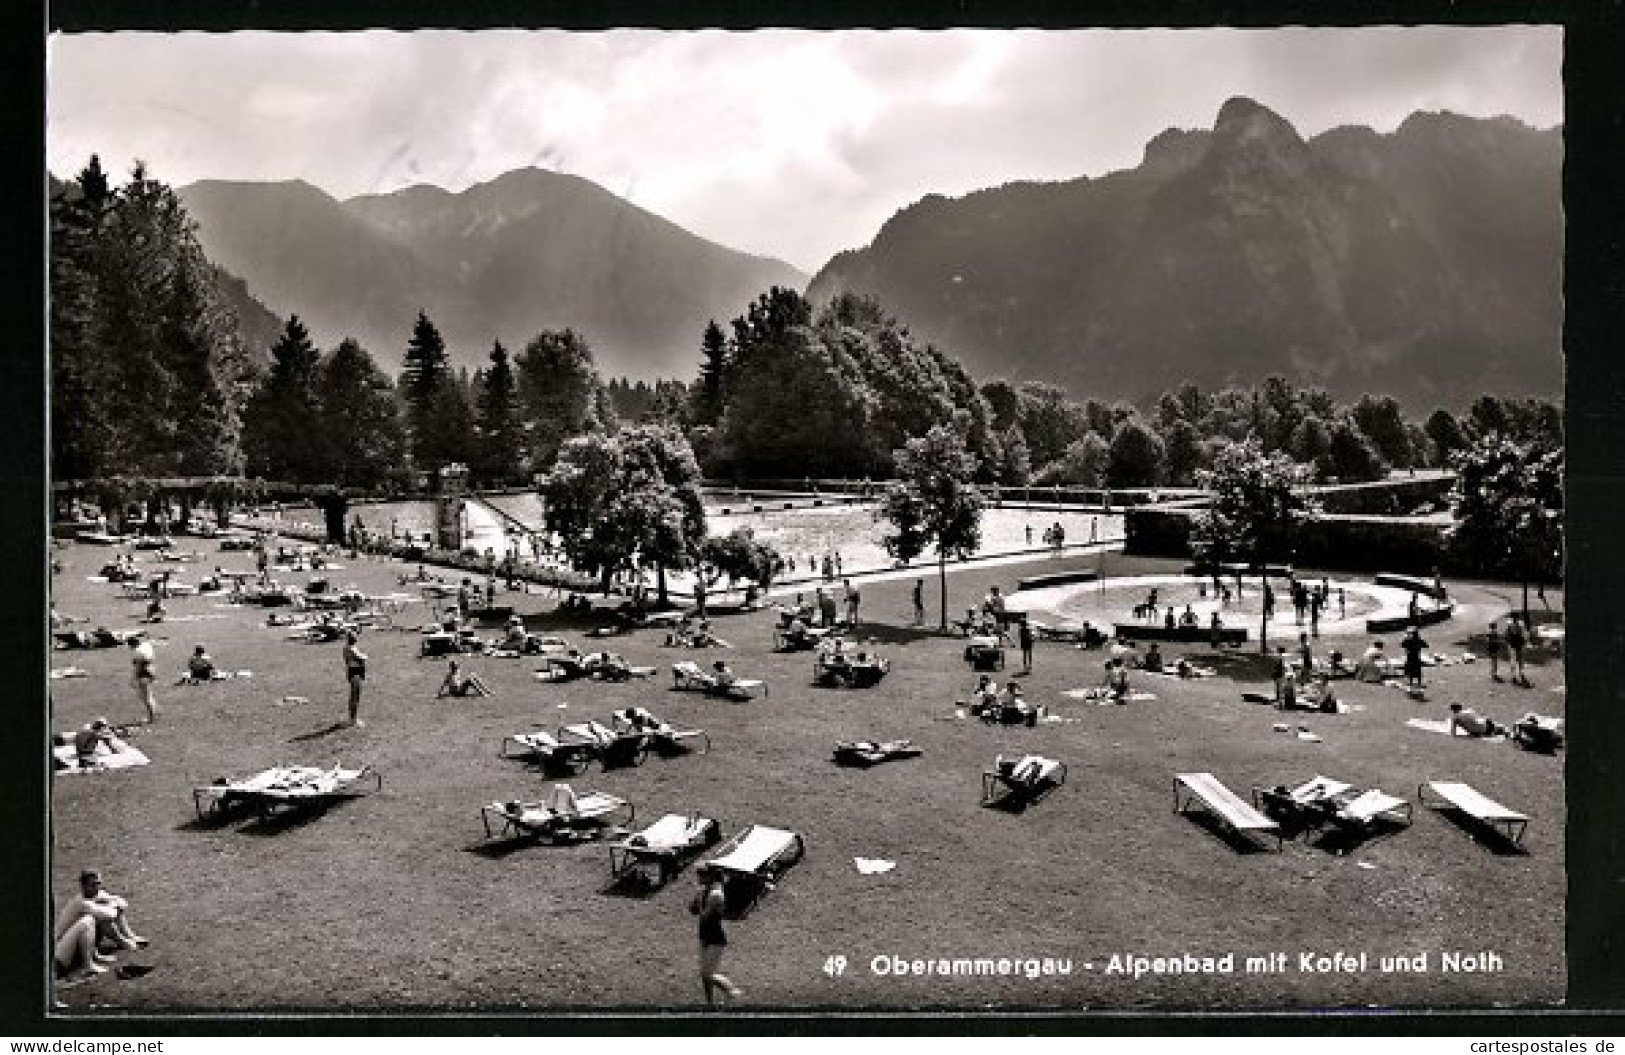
{"points": [[611, 747], [689, 677], [1306, 802], [1478, 806], [753, 860], [869, 753], [664, 848], [540, 820], [1365, 810], [285, 786], [1222, 803], [1051, 775], [546, 748], [663, 736]]}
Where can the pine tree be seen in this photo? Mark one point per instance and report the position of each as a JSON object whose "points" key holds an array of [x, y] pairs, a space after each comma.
{"points": [[557, 392], [499, 454], [283, 428], [710, 393], [360, 419], [424, 374]]}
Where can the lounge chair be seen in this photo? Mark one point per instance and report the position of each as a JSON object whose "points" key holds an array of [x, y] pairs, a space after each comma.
{"points": [[1537, 732], [869, 752], [1304, 806], [849, 669], [663, 736], [807, 638], [1026, 779], [572, 754], [663, 849], [1360, 815], [1223, 804], [688, 676], [565, 815], [1502, 821], [611, 747], [752, 862], [289, 787]]}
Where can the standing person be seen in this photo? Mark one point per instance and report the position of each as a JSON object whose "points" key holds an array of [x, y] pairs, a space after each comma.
{"points": [[1413, 646], [709, 904], [1029, 536], [463, 600], [1094, 529], [699, 595], [1515, 644], [1306, 658], [1342, 604], [852, 600], [1278, 671], [355, 670], [1024, 637], [1316, 600], [919, 602], [1492, 645], [142, 675], [1269, 601]]}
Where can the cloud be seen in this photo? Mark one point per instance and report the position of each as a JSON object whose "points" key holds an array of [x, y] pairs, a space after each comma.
{"points": [[787, 143]]}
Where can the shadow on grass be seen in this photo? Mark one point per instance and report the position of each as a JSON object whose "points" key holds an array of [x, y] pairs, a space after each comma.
{"points": [[317, 734], [887, 634], [1489, 838], [1346, 840], [1018, 802], [499, 848], [287, 820], [1237, 841]]}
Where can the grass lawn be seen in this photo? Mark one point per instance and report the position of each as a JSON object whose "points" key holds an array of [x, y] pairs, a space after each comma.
{"points": [[391, 901]]}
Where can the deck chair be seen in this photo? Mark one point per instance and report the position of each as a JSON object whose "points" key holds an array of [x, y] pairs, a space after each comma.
{"points": [[1537, 732], [1223, 804], [651, 857], [562, 668], [689, 677], [1470, 802], [1305, 806], [290, 787], [1025, 779], [573, 754], [611, 747], [564, 815], [663, 737], [869, 752], [985, 652], [1362, 814], [752, 862]]}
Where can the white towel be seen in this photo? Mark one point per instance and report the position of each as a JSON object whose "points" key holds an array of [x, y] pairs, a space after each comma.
{"points": [[873, 865]]}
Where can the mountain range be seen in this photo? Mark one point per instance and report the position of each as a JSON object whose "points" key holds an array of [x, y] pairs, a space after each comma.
{"points": [[1424, 263], [502, 260]]}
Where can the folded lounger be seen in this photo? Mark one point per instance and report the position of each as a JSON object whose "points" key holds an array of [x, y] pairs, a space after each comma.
{"points": [[290, 787], [869, 753], [662, 735], [1028, 778], [572, 753], [564, 815], [612, 747], [660, 851], [688, 676], [1481, 808], [1225, 805], [752, 861]]}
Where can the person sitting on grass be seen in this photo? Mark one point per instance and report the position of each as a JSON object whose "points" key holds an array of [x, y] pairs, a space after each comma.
{"points": [[91, 736], [458, 683], [1471, 723], [985, 695], [1187, 618], [722, 677], [89, 919], [201, 666], [1373, 664], [1152, 662], [610, 666], [1319, 696]]}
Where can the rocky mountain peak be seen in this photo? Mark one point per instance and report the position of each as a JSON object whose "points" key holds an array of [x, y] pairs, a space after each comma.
{"points": [[1249, 138]]}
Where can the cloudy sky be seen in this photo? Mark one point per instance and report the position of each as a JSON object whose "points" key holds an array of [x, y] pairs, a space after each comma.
{"points": [[794, 144]]}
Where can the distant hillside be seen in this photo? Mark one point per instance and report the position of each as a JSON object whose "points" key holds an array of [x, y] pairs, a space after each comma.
{"points": [[1426, 263], [528, 251]]}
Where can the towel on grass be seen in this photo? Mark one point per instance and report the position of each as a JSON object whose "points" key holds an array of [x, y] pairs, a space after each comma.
{"points": [[873, 865]]}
